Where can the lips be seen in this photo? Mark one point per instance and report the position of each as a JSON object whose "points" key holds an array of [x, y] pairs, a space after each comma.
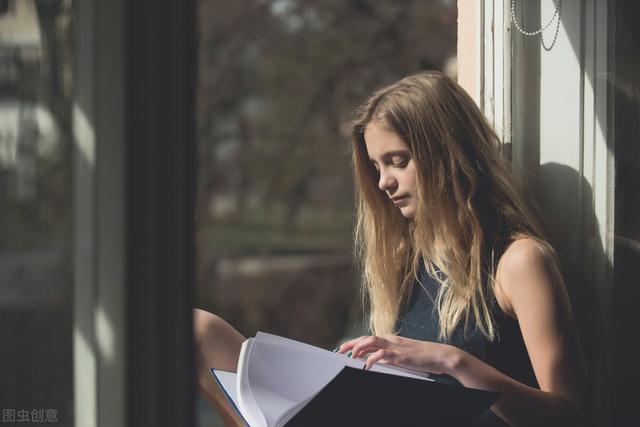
{"points": [[399, 199]]}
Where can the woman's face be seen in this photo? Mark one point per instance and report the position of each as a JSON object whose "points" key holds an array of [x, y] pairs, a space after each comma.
{"points": [[397, 176]]}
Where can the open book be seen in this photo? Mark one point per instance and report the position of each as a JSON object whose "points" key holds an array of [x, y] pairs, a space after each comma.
{"points": [[285, 382]]}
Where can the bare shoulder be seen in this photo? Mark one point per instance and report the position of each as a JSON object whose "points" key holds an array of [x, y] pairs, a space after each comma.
{"points": [[524, 251], [530, 288], [527, 268]]}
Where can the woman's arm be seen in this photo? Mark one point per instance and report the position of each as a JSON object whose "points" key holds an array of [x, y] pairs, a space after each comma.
{"points": [[217, 345], [529, 287]]}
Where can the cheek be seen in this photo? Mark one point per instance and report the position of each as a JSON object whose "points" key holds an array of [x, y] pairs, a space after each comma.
{"points": [[413, 178]]}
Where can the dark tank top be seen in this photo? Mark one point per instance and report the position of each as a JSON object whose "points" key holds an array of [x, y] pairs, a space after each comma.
{"points": [[507, 353]]}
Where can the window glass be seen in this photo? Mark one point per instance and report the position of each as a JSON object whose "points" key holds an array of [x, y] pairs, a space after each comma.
{"points": [[36, 378], [277, 84]]}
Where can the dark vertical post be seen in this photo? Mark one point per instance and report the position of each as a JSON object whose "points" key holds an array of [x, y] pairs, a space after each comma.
{"points": [[160, 189]]}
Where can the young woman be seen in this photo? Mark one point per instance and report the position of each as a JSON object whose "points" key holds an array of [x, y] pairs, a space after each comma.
{"points": [[459, 279]]}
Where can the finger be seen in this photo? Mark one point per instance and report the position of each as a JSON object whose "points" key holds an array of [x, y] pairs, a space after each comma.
{"points": [[375, 357], [364, 346], [348, 345], [368, 345]]}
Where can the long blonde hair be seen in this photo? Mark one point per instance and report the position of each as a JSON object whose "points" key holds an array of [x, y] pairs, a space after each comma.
{"points": [[468, 205]]}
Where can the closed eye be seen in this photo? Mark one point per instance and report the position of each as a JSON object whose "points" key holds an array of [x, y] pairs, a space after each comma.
{"points": [[399, 162]]}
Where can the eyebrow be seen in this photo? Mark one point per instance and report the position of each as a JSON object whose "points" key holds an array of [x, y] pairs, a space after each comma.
{"points": [[388, 155]]}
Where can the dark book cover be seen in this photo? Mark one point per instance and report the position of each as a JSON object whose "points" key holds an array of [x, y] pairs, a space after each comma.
{"points": [[363, 398]]}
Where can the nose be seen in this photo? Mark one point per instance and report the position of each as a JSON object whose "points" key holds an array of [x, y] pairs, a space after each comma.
{"points": [[387, 181]]}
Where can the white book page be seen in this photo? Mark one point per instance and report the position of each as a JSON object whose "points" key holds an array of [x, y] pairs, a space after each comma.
{"points": [[354, 363], [246, 402], [295, 371], [228, 381], [281, 375], [401, 372]]}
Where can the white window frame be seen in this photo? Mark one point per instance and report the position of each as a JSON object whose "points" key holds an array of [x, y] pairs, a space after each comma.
{"points": [[554, 108]]}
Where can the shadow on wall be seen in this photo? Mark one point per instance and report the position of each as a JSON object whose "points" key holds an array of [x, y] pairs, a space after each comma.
{"points": [[558, 192], [561, 193]]}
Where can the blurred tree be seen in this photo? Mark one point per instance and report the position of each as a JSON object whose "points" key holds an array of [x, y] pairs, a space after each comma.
{"points": [[35, 209], [278, 80], [54, 171], [38, 214]]}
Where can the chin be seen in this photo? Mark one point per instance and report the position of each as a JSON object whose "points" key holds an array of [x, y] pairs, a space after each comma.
{"points": [[408, 213]]}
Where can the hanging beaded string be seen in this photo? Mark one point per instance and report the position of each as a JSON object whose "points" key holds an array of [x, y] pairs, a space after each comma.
{"points": [[533, 33], [539, 31], [555, 36]]}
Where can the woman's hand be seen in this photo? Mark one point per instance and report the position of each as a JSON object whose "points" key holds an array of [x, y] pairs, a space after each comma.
{"points": [[408, 353]]}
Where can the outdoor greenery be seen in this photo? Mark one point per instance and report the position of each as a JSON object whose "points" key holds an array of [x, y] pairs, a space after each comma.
{"points": [[277, 85], [278, 82]]}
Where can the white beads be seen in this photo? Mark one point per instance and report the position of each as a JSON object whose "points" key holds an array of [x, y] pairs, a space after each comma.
{"points": [[533, 33]]}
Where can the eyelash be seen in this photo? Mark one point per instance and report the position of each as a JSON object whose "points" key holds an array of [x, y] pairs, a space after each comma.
{"points": [[398, 165]]}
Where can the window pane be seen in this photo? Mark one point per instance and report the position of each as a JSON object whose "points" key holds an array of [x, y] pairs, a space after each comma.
{"points": [[36, 383], [277, 83]]}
